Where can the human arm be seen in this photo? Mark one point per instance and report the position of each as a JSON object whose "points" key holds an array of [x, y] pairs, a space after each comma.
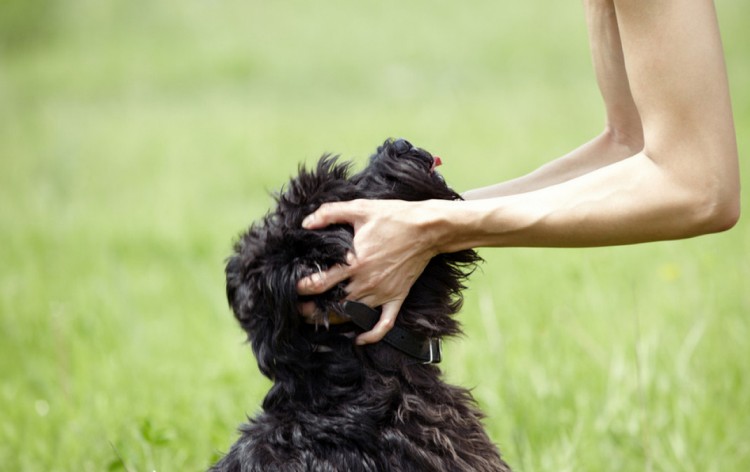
{"points": [[671, 82], [622, 136], [682, 182]]}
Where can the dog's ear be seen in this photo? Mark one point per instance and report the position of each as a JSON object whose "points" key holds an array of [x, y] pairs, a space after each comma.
{"points": [[274, 254], [261, 296], [327, 182]]}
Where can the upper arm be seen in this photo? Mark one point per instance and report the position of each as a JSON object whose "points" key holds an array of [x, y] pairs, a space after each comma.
{"points": [[675, 66]]}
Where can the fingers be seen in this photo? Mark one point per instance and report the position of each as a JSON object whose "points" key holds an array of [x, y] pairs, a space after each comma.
{"points": [[319, 282], [308, 311], [327, 214], [312, 315], [331, 213], [356, 213], [387, 320]]}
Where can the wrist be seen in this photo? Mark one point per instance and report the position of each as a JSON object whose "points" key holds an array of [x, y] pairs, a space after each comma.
{"points": [[490, 222], [450, 226], [433, 225]]}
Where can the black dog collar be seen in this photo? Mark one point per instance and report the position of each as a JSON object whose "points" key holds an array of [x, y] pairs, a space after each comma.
{"points": [[427, 350]]}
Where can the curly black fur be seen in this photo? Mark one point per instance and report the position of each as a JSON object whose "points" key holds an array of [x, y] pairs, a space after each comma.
{"points": [[335, 406]]}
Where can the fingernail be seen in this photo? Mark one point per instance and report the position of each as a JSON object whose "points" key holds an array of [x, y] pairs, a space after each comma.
{"points": [[308, 221]]}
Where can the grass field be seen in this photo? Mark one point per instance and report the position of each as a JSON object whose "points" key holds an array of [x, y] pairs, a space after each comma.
{"points": [[138, 138]]}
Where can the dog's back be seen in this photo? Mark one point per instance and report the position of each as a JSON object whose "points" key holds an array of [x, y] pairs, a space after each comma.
{"points": [[335, 406]]}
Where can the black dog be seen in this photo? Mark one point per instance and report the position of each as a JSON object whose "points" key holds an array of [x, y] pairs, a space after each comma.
{"points": [[335, 406]]}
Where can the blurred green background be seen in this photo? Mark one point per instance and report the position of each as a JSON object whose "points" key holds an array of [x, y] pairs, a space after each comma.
{"points": [[138, 138]]}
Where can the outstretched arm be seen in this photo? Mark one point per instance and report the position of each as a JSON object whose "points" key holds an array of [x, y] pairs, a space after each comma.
{"points": [[622, 136], [684, 181]]}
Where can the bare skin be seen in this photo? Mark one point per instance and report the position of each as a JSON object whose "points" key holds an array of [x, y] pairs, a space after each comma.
{"points": [[665, 166]]}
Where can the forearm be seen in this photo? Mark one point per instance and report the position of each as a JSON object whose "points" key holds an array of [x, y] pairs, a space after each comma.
{"points": [[623, 133], [630, 201], [605, 149], [684, 183]]}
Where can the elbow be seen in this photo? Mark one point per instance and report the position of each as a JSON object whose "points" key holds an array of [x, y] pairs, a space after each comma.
{"points": [[728, 215], [711, 195], [717, 212]]}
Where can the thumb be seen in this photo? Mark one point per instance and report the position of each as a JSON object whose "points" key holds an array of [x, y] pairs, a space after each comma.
{"points": [[387, 320]]}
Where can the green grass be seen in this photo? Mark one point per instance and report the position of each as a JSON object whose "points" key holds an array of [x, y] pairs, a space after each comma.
{"points": [[138, 138]]}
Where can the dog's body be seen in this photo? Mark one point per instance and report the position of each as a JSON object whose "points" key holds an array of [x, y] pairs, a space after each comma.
{"points": [[335, 406]]}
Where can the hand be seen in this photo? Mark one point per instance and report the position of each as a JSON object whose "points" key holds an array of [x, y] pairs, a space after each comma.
{"points": [[392, 246]]}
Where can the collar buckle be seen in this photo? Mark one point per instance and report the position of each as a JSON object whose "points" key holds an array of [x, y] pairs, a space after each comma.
{"points": [[436, 351], [422, 348]]}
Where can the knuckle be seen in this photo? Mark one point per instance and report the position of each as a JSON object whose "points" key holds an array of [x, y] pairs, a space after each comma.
{"points": [[386, 324], [367, 286], [317, 281], [324, 210], [372, 337], [351, 260]]}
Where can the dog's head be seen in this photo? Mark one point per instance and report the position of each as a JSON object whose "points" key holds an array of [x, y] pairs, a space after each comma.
{"points": [[275, 252]]}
